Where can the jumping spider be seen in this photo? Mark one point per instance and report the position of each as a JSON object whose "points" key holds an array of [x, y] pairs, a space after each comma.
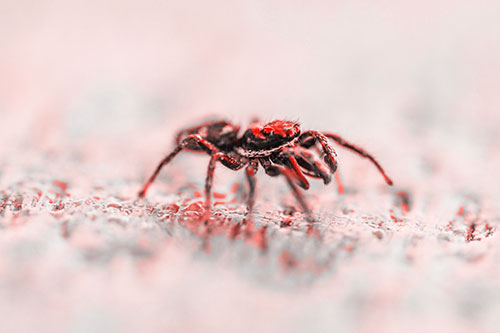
{"points": [[278, 146]]}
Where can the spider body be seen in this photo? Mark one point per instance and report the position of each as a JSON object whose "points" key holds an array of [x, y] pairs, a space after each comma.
{"points": [[279, 146], [262, 137]]}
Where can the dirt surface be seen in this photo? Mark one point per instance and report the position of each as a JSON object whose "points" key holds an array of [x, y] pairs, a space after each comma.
{"points": [[80, 252]]}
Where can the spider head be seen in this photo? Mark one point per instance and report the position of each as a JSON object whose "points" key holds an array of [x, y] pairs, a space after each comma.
{"points": [[265, 136]]}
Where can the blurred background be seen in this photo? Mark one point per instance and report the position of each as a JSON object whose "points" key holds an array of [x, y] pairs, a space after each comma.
{"points": [[132, 72], [74, 67]]}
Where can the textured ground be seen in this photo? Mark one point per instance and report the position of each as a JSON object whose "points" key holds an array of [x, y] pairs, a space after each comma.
{"points": [[91, 95], [81, 253]]}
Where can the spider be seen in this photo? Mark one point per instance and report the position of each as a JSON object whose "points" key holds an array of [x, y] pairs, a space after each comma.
{"points": [[278, 146]]}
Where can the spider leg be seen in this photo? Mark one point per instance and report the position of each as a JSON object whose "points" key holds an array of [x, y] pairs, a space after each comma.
{"points": [[309, 138], [251, 170], [359, 151], [295, 168], [287, 159], [209, 179], [226, 161], [315, 168], [309, 164], [204, 145], [274, 170], [164, 162]]}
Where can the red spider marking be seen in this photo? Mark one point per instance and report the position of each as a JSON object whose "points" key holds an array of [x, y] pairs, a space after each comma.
{"points": [[300, 176], [278, 127], [257, 132]]}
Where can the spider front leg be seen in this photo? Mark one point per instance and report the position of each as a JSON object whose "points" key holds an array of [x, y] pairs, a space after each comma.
{"points": [[326, 176], [274, 170], [202, 143], [309, 138], [287, 159], [359, 151], [308, 162]]}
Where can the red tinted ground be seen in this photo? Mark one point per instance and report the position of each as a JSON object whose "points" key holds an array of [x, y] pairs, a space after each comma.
{"points": [[79, 247]]}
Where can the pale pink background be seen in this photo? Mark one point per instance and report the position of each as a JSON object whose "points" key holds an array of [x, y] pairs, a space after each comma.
{"points": [[92, 91], [425, 71]]}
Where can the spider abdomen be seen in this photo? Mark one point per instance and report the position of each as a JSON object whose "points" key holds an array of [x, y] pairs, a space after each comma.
{"points": [[220, 133]]}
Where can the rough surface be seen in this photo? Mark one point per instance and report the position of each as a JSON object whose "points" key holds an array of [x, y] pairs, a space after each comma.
{"points": [[90, 103], [80, 252]]}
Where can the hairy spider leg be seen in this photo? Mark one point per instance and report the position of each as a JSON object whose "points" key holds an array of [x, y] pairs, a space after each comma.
{"points": [[294, 167], [287, 159], [308, 162], [203, 144], [309, 139], [274, 170], [340, 187], [330, 154], [165, 161], [359, 151]]}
